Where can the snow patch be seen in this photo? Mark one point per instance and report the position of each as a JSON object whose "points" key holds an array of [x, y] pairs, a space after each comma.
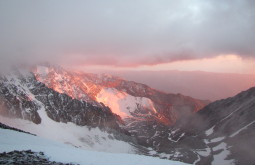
{"points": [[122, 103], [164, 155], [42, 70], [152, 152], [217, 139], [209, 131], [204, 152], [172, 140], [221, 157]]}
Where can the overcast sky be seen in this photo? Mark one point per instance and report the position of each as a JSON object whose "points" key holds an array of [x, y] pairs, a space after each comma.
{"points": [[125, 33]]}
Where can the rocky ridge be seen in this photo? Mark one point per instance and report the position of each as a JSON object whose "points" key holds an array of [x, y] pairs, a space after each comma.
{"points": [[171, 127]]}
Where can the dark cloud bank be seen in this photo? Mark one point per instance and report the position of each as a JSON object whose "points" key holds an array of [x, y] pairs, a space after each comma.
{"points": [[125, 33]]}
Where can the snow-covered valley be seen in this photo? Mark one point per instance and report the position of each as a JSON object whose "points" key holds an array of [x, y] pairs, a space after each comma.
{"points": [[11, 140]]}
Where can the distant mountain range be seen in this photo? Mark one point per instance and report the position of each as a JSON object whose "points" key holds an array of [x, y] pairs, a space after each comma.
{"points": [[197, 84], [107, 113]]}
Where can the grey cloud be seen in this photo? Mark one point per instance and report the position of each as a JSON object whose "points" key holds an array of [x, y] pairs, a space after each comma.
{"points": [[125, 32]]}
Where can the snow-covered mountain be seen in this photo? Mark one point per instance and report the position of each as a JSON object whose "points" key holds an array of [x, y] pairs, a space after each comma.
{"points": [[125, 98], [22, 96], [106, 113], [142, 109]]}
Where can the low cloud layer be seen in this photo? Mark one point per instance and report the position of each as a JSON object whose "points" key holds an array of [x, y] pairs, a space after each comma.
{"points": [[125, 33]]}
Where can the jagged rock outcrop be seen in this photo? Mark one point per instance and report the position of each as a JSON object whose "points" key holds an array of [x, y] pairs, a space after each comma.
{"points": [[3, 126], [22, 96], [27, 157], [220, 133]]}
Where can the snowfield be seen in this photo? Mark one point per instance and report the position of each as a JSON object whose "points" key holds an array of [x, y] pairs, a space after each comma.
{"points": [[122, 103], [12, 140], [69, 133]]}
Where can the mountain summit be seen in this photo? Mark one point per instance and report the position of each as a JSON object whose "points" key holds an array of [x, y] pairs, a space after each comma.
{"points": [[124, 98]]}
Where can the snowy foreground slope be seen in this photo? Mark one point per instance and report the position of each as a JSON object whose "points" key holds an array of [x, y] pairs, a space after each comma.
{"points": [[11, 140], [71, 134]]}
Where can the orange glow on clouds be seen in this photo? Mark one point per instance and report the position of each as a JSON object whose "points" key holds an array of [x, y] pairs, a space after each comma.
{"points": [[222, 63]]}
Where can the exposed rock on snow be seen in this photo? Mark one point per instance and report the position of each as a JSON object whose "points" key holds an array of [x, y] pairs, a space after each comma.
{"points": [[54, 151], [26, 157]]}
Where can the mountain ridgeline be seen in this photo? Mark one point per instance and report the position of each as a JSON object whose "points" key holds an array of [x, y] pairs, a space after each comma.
{"points": [[169, 126], [22, 96]]}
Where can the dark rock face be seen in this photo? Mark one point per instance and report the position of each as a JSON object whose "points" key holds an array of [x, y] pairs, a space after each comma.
{"points": [[27, 157], [15, 101], [221, 132], [3, 126], [62, 108], [23, 96]]}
